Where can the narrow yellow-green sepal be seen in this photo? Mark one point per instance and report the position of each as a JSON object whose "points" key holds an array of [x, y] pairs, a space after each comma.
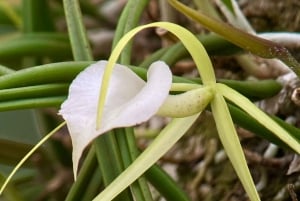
{"points": [[259, 115], [231, 144]]}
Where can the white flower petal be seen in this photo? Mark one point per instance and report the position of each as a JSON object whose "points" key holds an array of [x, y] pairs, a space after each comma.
{"points": [[147, 102], [129, 101]]}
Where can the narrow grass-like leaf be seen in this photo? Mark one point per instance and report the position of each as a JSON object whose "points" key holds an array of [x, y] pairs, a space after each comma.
{"points": [[80, 45], [164, 141], [259, 115], [231, 144], [129, 19]]}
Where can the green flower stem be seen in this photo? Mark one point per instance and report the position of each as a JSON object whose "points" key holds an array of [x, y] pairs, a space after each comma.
{"points": [[251, 43], [50, 45], [86, 173], [80, 45]]}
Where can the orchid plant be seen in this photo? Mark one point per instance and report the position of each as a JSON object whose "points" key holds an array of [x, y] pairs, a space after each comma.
{"points": [[107, 95], [126, 100]]}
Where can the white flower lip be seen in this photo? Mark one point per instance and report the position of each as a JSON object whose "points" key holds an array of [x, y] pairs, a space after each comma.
{"points": [[130, 101]]}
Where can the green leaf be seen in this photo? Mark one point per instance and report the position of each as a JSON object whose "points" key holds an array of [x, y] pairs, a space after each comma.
{"points": [[80, 46]]}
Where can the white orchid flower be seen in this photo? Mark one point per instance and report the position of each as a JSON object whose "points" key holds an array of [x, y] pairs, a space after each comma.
{"points": [[130, 101]]}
